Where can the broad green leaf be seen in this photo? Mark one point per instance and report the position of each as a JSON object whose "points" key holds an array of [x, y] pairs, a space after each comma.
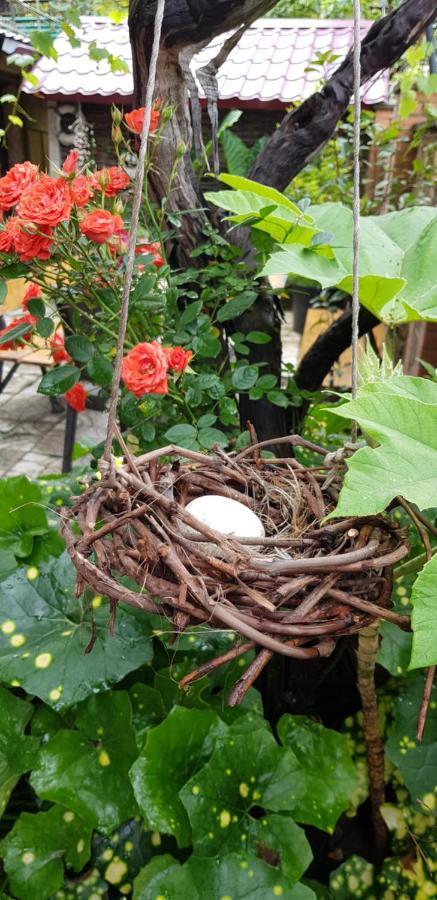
{"points": [[376, 293], [36, 307], [120, 856], [305, 263], [17, 750], [43, 42], [8, 563], [261, 190], [246, 771], [235, 307], [35, 850], [416, 762], [45, 327], [184, 435], [208, 437], [24, 527], [190, 313], [58, 380], [244, 377], [18, 331], [79, 347], [326, 766], [401, 416], [237, 154], [44, 631], [172, 752], [86, 769], [147, 709], [395, 649], [100, 369], [355, 874], [424, 617], [237, 876], [279, 842]]}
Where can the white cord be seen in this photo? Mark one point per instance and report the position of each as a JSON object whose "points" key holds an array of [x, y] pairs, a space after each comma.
{"points": [[356, 197]]}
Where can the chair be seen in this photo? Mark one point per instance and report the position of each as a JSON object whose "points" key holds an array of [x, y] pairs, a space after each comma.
{"points": [[39, 357]]}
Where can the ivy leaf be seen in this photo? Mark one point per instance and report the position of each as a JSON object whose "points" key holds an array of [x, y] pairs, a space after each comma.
{"points": [[35, 849], [44, 631], [24, 527], [417, 763], [401, 416], [424, 617], [327, 767], [58, 380], [86, 769], [17, 750], [172, 752], [247, 770]]}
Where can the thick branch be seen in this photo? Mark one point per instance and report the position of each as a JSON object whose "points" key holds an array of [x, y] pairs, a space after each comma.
{"points": [[304, 130], [321, 356]]}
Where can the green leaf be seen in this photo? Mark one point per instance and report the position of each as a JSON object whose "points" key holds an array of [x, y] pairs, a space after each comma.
{"points": [[400, 415], [416, 762], [228, 411], [278, 398], [211, 384], [24, 528], [395, 649], [15, 270], [43, 42], [8, 563], [208, 437], [237, 154], [206, 345], [17, 750], [3, 289], [190, 313], [45, 327], [206, 421], [246, 771], [35, 849], [44, 631], [58, 380], [424, 617], [18, 331], [79, 347], [36, 307], [237, 306], [173, 751], [148, 709], [100, 369], [355, 871], [183, 435], [261, 190], [258, 337], [327, 767], [86, 769], [244, 377]]}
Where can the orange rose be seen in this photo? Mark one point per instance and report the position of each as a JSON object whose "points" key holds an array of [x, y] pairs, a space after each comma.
{"points": [[81, 190], [59, 353], [14, 183], [135, 119], [178, 358], [70, 164], [31, 244], [33, 291], [17, 343], [47, 202], [144, 369], [76, 397], [100, 225], [111, 181], [154, 250], [7, 237]]}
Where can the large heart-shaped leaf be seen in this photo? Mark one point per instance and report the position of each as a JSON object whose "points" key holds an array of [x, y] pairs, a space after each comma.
{"points": [[86, 768], [424, 617], [246, 771], [401, 416], [416, 762], [44, 631], [36, 848], [172, 752], [236, 876], [17, 750], [24, 529], [330, 776]]}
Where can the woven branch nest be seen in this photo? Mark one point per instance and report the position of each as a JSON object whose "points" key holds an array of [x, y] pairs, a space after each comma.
{"points": [[295, 592]]}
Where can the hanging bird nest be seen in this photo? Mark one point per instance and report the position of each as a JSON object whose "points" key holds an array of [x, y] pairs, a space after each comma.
{"points": [[295, 591]]}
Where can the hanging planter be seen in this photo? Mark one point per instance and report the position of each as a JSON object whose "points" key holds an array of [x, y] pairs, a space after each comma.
{"points": [[294, 587]]}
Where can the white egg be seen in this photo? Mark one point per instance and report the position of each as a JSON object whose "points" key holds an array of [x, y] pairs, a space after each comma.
{"points": [[226, 516]]}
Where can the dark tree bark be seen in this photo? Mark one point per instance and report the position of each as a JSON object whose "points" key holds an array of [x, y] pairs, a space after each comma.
{"points": [[188, 26]]}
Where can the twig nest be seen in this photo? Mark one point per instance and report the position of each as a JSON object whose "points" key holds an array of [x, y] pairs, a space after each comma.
{"points": [[227, 516]]}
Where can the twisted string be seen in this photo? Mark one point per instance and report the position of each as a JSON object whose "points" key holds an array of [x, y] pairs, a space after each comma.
{"points": [[130, 260], [356, 200]]}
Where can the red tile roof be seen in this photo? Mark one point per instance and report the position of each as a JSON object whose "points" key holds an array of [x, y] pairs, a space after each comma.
{"points": [[266, 67]]}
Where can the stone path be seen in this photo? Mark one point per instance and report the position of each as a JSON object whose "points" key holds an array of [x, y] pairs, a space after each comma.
{"points": [[32, 436]]}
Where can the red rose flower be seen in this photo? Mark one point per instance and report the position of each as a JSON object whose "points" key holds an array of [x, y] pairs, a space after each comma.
{"points": [[17, 343], [178, 358], [111, 181], [135, 119], [33, 290], [59, 353], [47, 202], [70, 164], [14, 183], [144, 369], [81, 190], [76, 397], [154, 250], [7, 237], [100, 225], [31, 244]]}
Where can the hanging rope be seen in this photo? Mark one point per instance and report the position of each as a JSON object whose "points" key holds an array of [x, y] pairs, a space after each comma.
{"points": [[136, 204]]}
